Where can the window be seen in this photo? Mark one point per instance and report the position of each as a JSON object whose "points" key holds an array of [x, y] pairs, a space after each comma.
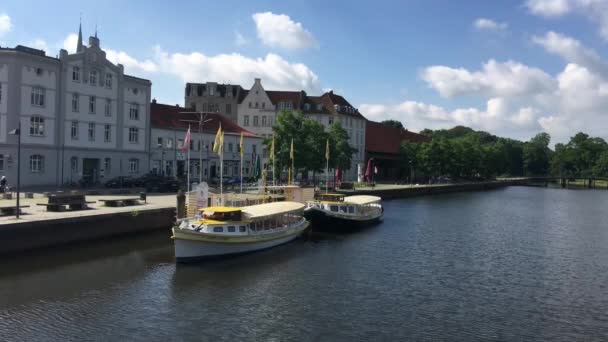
{"points": [[228, 108], [91, 131], [333, 208], [75, 102], [93, 77], [37, 97], [270, 120], [36, 163], [306, 107], [74, 130], [133, 135], [246, 120], [180, 143], [74, 164], [263, 105], [231, 229], [108, 108], [255, 120], [36, 126], [134, 111], [159, 142], [92, 102], [211, 91], [107, 165], [169, 143], [249, 104], [0, 92], [107, 133], [205, 107], [1, 162], [218, 229], [242, 229], [76, 74], [264, 120], [351, 210], [229, 147], [331, 120], [254, 148], [256, 105], [39, 71], [108, 80], [133, 165]]}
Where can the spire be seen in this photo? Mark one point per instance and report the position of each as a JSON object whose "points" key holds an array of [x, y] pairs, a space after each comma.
{"points": [[79, 46]]}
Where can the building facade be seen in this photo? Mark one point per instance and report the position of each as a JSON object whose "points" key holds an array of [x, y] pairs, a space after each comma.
{"points": [[213, 97], [169, 127], [82, 118]]}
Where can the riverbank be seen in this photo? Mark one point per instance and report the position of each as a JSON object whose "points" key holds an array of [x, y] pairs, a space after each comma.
{"points": [[38, 228], [388, 191]]}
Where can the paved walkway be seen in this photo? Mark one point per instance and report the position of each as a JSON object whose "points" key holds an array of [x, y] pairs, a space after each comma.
{"points": [[37, 213]]}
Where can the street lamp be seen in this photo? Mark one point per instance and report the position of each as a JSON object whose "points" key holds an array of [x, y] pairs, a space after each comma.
{"points": [[17, 132], [202, 118]]}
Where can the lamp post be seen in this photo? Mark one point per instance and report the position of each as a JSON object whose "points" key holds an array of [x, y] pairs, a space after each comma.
{"points": [[17, 132]]}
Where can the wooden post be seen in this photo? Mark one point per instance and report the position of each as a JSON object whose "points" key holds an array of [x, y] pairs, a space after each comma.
{"points": [[181, 204]]}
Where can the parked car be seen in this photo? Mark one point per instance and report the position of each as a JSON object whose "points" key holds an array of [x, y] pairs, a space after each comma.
{"points": [[157, 183], [119, 182]]}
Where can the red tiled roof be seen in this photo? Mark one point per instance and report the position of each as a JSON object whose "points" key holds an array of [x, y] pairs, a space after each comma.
{"points": [[380, 138], [330, 100], [295, 97], [168, 117]]}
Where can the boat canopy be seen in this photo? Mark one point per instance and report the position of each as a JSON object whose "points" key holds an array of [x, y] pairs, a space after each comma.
{"points": [[219, 209], [269, 209], [221, 214], [362, 199]]}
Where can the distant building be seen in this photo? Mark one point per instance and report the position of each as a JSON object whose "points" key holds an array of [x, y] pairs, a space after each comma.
{"points": [[81, 117], [169, 127], [383, 144], [213, 97]]}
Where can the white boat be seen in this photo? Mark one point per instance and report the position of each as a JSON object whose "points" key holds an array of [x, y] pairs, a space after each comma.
{"points": [[223, 231], [336, 211]]}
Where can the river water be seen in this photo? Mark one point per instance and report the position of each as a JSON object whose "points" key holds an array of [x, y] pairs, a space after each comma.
{"points": [[516, 264]]}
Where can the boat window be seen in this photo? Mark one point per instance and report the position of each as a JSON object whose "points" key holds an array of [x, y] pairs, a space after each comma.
{"points": [[351, 210], [343, 209], [218, 229], [231, 229], [242, 229], [333, 208]]}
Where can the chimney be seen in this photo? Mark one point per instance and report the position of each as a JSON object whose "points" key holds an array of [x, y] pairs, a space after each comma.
{"points": [[154, 101]]}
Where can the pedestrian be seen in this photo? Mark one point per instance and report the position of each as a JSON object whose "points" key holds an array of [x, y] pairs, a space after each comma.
{"points": [[2, 184]]}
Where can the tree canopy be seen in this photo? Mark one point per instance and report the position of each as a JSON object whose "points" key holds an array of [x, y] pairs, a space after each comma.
{"points": [[393, 123]]}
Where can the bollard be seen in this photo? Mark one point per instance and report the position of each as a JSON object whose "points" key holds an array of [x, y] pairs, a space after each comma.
{"points": [[181, 205]]}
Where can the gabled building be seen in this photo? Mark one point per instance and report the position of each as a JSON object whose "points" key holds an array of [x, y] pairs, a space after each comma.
{"points": [[169, 127], [82, 118], [214, 97]]}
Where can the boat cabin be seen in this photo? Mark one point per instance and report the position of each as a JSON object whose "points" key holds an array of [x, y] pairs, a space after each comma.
{"points": [[330, 197], [224, 214]]}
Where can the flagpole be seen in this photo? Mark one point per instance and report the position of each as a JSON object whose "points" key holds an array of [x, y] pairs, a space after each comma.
{"points": [[241, 172], [222, 171], [273, 159], [188, 164], [326, 175]]}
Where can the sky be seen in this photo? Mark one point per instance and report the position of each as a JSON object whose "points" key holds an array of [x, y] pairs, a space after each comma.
{"points": [[512, 68]]}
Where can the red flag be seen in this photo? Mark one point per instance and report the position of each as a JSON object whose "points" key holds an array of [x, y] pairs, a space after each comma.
{"points": [[186, 141]]}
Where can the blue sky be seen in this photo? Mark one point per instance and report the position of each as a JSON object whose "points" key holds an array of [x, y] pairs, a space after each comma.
{"points": [[513, 68]]}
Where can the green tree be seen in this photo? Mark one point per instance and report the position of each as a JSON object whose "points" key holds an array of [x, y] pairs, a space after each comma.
{"points": [[313, 151], [341, 152], [600, 169], [393, 123], [536, 155]]}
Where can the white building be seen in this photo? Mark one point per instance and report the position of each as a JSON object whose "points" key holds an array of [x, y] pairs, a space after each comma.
{"points": [[81, 116], [169, 127]]}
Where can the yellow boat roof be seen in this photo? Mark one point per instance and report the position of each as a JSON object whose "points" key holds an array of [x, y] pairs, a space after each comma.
{"points": [[362, 199], [220, 209], [269, 209]]}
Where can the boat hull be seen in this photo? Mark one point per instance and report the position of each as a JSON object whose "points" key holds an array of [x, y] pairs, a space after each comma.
{"points": [[322, 221], [189, 249]]}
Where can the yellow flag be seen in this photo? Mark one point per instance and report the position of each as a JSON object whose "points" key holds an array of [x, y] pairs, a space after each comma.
{"points": [[216, 143], [327, 150], [221, 148], [291, 152], [242, 146], [272, 149]]}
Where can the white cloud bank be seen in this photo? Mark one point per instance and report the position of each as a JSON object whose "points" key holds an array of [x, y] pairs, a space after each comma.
{"points": [[521, 100], [5, 24], [485, 24], [595, 10], [278, 30]]}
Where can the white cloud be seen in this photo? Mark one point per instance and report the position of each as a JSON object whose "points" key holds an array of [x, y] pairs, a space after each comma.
{"points": [[239, 40], [520, 100], [572, 50], [41, 45], [594, 10], [278, 30], [5, 24], [131, 64], [484, 24], [494, 79], [70, 42], [548, 8]]}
